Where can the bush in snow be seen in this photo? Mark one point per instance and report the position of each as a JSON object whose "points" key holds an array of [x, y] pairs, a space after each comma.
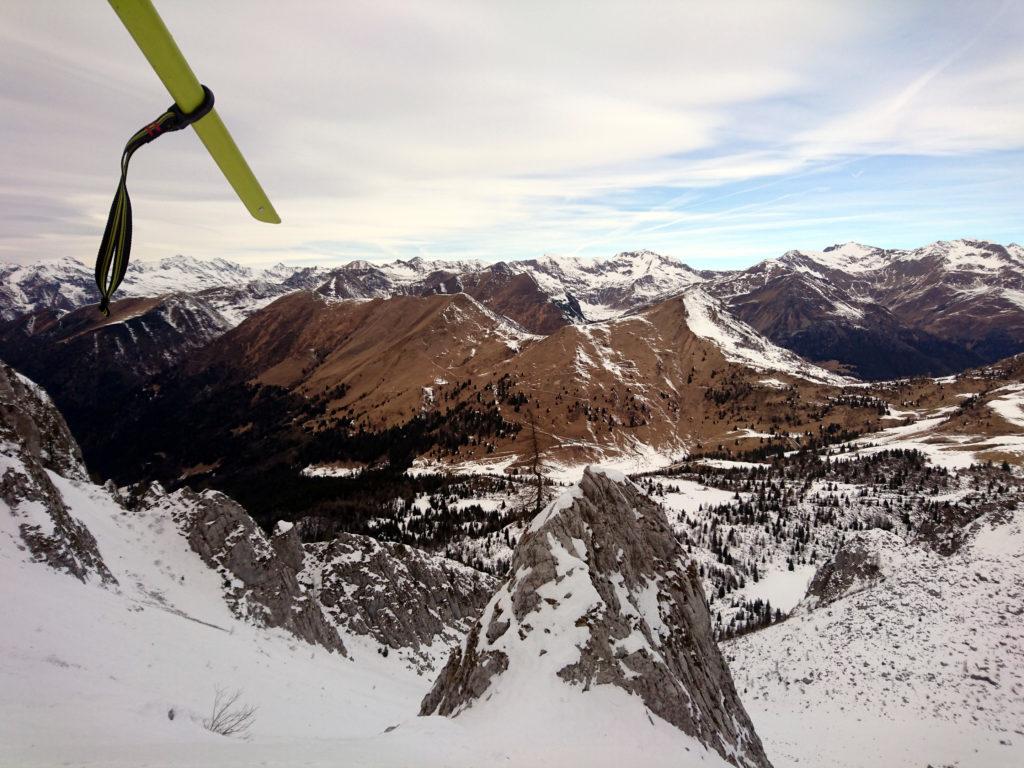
{"points": [[230, 716]]}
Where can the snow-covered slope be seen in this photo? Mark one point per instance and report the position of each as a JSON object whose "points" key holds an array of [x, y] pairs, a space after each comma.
{"points": [[923, 650], [739, 343], [852, 258], [127, 676], [606, 288], [125, 612]]}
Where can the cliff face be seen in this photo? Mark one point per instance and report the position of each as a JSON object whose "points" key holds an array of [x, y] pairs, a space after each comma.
{"points": [[34, 441], [602, 594], [404, 598], [260, 574]]}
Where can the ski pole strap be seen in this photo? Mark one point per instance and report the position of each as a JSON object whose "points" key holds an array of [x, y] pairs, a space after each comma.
{"points": [[116, 245]]}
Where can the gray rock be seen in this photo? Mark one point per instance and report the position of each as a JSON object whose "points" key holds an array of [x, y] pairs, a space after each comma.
{"points": [[32, 420], [405, 598], [602, 562], [858, 564], [260, 575], [34, 439], [465, 678]]}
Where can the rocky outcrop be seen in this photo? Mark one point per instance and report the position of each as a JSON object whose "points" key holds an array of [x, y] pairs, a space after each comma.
{"points": [[260, 575], [602, 593], [32, 420], [406, 599], [857, 565], [35, 440]]}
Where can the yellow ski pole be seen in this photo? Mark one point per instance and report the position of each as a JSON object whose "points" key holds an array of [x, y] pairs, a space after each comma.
{"points": [[144, 24], [193, 105]]}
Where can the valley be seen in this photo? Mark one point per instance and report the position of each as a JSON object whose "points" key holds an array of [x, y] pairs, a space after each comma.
{"points": [[420, 503]]}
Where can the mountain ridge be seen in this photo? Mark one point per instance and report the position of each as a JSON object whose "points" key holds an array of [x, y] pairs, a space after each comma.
{"points": [[871, 312]]}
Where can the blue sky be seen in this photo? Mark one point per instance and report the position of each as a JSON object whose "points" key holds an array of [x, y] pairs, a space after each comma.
{"points": [[720, 133]]}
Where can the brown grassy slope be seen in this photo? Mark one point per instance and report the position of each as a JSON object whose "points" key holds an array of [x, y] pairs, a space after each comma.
{"points": [[597, 390], [648, 380]]}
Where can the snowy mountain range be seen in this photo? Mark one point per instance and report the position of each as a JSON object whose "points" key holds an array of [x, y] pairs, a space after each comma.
{"points": [[445, 356], [887, 313], [869, 312], [311, 497]]}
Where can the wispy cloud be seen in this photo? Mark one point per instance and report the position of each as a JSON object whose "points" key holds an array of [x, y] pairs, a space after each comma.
{"points": [[385, 129]]}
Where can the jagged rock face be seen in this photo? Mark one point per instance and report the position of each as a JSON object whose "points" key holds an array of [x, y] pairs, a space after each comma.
{"points": [[403, 597], [35, 439], [602, 593], [260, 575], [31, 417], [947, 528], [859, 564]]}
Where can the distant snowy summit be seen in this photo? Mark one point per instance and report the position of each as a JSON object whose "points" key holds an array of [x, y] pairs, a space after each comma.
{"points": [[883, 314], [954, 256], [870, 312]]}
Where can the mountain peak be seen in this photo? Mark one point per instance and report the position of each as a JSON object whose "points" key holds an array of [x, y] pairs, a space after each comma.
{"points": [[953, 255], [602, 601], [979, 256], [850, 257]]}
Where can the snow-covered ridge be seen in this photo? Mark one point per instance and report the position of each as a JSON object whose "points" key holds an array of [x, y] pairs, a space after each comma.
{"points": [[847, 257], [952, 255], [601, 612], [605, 288], [407, 271], [68, 283], [740, 343]]}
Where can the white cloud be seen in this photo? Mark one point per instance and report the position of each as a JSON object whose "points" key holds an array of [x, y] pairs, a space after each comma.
{"points": [[387, 127]]}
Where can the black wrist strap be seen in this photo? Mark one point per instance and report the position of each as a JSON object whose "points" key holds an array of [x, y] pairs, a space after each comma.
{"points": [[116, 245]]}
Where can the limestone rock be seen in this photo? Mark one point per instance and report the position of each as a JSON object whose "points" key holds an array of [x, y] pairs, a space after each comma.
{"points": [[34, 441], [405, 598], [601, 593], [859, 564], [260, 574]]}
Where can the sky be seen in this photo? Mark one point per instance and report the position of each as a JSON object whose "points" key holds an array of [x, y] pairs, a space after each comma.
{"points": [[720, 133]]}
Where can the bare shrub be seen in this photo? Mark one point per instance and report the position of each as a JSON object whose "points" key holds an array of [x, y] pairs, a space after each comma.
{"points": [[230, 716]]}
